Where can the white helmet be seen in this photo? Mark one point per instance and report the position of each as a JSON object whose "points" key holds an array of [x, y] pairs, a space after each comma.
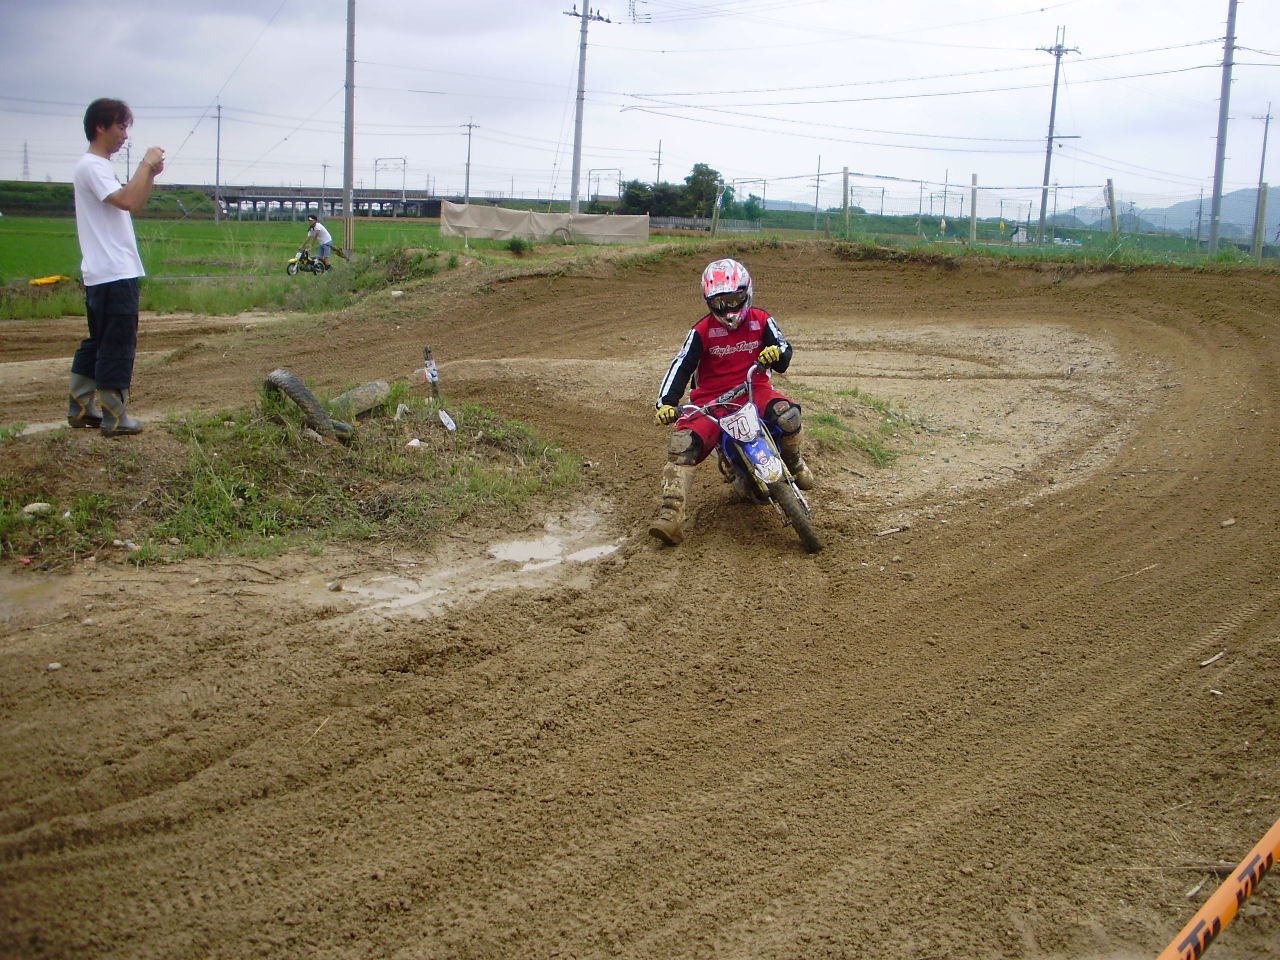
{"points": [[726, 286]]}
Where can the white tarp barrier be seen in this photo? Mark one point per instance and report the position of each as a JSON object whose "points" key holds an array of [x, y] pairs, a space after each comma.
{"points": [[483, 222]]}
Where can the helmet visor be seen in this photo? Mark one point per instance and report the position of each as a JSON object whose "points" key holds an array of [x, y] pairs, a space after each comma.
{"points": [[726, 303]]}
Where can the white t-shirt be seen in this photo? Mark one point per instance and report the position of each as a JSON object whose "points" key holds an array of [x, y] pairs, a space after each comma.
{"points": [[320, 233], [108, 248]]}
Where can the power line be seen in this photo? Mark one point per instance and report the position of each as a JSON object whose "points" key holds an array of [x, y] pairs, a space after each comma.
{"points": [[935, 76]]}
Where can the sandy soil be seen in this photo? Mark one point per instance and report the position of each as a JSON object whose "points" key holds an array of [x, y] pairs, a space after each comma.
{"points": [[982, 723]]}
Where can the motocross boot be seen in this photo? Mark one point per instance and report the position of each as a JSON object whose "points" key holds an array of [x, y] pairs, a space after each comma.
{"points": [[116, 421], [677, 480], [82, 409], [789, 447]]}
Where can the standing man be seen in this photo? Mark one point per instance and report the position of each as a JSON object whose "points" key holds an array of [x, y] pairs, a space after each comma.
{"points": [[111, 269], [317, 232]]}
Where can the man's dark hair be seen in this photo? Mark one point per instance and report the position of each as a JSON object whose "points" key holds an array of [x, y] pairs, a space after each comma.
{"points": [[105, 112]]}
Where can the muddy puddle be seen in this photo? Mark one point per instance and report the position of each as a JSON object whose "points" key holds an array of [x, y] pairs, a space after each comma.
{"points": [[563, 552]]}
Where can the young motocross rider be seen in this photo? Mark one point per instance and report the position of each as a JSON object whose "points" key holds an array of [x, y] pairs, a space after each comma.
{"points": [[716, 355]]}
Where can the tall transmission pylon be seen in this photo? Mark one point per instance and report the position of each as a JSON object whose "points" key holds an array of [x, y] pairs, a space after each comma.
{"points": [[1058, 51]]}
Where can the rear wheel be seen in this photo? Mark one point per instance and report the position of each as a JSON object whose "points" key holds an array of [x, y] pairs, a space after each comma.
{"points": [[797, 513]]}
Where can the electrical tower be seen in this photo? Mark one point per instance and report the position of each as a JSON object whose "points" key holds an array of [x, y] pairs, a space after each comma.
{"points": [[1058, 51]]}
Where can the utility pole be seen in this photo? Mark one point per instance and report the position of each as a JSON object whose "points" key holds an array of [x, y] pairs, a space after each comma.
{"points": [[1220, 157], [817, 185], [845, 202], [26, 164], [1260, 210], [348, 152], [973, 209], [657, 177], [586, 16], [217, 170], [1058, 50], [1111, 205], [466, 189]]}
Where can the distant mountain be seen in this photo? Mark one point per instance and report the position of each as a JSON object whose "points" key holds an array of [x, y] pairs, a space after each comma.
{"points": [[1237, 216], [790, 205]]}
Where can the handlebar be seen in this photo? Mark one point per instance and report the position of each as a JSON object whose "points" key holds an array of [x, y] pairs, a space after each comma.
{"points": [[747, 387]]}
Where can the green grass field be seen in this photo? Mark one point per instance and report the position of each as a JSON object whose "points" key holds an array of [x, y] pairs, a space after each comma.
{"points": [[201, 266], [45, 246]]}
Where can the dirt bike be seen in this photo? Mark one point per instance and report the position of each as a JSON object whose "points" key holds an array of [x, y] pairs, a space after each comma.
{"points": [[749, 459], [303, 260]]}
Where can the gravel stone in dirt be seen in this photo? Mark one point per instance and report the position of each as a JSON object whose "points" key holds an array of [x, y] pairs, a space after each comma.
{"points": [[989, 720]]}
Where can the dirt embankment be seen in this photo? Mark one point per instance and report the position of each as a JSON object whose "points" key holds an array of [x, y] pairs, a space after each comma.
{"points": [[986, 721]]}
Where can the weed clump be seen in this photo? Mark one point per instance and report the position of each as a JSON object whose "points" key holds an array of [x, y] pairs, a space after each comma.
{"points": [[256, 482]]}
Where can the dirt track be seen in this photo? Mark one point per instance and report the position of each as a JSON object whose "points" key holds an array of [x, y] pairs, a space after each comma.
{"points": [[977, 725]]}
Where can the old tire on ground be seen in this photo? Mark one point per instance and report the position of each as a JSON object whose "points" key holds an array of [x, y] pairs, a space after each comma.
{"points": [[313, 413], [797, 513]]}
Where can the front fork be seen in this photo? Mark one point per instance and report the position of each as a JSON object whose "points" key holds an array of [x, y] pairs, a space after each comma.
{"points": [[756, 462]]}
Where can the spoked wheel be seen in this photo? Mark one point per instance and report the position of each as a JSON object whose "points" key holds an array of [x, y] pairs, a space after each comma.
{"points": [[292, 268], [797, 512]]}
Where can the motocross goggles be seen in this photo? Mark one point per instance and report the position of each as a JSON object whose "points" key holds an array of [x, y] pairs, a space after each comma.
{"points": [[725, 303]]}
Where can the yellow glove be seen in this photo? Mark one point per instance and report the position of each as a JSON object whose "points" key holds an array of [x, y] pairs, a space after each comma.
{"points": [[770, 355], [666, 415]]}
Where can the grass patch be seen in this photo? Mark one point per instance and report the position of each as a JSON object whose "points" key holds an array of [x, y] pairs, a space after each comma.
{"points": [[851, 420], [252, 483]]}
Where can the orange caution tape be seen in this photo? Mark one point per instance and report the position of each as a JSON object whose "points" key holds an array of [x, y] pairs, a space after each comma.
{"points": [[1220, 909]]}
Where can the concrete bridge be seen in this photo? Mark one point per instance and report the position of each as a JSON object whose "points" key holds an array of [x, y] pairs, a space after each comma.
{"points": [[294, 203]]}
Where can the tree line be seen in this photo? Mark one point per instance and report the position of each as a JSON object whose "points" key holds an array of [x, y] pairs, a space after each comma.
{"points": [[696, 198]]}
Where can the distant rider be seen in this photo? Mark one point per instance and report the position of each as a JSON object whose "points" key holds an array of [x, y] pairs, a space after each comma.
{"points": [[320, 235], [716, 355]]}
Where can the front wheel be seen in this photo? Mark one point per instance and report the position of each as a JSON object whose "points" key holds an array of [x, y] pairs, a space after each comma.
{"points": [[797, 513], [292, 268]]}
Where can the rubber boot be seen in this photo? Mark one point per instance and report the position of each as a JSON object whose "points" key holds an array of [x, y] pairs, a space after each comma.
{"points": [[82, 409], [789, 447], [116, 421], [677, 480]]}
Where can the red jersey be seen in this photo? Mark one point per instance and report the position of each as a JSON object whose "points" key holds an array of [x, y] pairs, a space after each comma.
{"points": [[716, 358]]}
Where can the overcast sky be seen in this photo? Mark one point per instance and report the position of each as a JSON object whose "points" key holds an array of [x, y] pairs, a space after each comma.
{"points": [[910, 95]]}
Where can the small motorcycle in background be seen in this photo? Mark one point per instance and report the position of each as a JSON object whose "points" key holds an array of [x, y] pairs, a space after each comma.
{"points": [[304, 261], [749, 459]]}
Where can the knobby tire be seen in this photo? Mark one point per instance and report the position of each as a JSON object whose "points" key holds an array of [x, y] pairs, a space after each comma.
{"points": [[797, 513], [315, 415]]}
